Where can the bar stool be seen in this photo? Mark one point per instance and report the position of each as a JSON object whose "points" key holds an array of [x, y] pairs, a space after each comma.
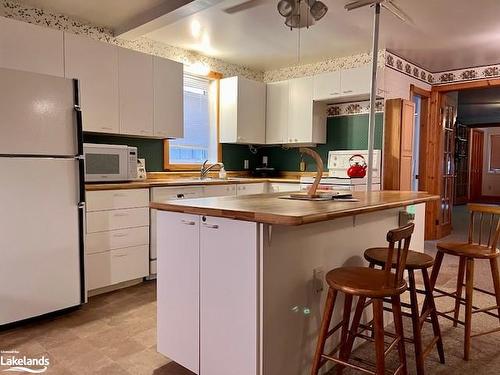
{"points": [[415, 261], [467, 253], [366, 283]]}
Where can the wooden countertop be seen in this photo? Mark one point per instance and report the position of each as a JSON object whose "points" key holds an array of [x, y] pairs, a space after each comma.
{"points": [[180, 182], [270, 209]]}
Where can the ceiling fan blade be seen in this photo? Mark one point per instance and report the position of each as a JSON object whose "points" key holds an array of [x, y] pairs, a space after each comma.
{"points": [[360, 3], [244, 6], [397, 11]]}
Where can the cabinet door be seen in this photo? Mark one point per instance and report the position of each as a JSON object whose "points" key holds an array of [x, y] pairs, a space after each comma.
{"points": [[178, 288], [168, 98], [251, 111], [228, 295], [95, 64], [277, 112], [300, 113], [327, 86], [31, 48], [136, 92], [356, 81]]}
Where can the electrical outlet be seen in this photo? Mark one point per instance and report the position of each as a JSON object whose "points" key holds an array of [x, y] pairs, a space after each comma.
{"points": [[246, 164], [318, 277]]}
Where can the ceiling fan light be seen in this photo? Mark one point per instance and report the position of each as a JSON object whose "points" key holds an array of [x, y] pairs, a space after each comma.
{"points": [[286, 7], [318, 10]]}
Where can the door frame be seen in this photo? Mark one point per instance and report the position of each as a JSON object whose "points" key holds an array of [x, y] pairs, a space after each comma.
{"points": [[433, 149]]}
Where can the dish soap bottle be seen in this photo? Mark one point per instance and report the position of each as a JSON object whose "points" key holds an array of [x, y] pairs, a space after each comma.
{"points": [[222, 173]]}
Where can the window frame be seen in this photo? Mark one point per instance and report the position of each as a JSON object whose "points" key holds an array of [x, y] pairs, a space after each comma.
{"points": [[167, 166]]}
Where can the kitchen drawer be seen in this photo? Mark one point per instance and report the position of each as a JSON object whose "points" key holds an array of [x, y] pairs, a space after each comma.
{"points": [[276, 187], [117, 199], [100, 221], [116, 239], [170, 193], [116, 266], [219, 190]]}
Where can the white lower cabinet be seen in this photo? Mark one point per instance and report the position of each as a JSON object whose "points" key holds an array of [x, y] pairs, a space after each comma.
{"points": [[203, 314], [117, 237], [219, 190], [276, 187], [247, 189]]}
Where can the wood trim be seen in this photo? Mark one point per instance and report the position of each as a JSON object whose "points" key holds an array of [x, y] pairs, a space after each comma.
{"points": [[215, 76], [415, 90], [483, 83]]}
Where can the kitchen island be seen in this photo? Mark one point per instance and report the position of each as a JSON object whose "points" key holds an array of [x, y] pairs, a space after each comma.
{"points": [[241, 279]]}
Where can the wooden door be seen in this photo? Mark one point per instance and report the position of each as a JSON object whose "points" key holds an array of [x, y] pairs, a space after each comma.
{"points": [[398, 144], [476, 165], [448, 115]]}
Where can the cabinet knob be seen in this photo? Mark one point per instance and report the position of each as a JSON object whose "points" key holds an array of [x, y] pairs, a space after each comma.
{"points": [[180, 196]]}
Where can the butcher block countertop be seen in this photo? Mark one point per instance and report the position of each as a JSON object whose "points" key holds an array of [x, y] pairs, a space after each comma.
{"points": [[271, 209], [146, 184]]}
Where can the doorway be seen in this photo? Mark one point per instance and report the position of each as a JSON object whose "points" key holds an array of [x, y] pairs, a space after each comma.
{"points": [[462, 119]]}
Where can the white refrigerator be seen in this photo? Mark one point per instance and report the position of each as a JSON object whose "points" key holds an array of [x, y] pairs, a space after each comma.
{"points": [[42, 196]]}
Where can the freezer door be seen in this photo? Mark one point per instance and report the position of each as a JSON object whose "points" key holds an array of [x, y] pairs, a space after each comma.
{"points": [[39, 237], [37, 114]]}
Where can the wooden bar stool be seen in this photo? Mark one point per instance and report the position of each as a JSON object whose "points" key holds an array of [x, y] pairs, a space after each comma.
{"points": [[373, 284], [487, 216], [415, 261]]}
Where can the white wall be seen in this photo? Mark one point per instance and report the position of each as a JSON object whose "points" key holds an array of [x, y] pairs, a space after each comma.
{"points": [[491, 181], [397, 85]]}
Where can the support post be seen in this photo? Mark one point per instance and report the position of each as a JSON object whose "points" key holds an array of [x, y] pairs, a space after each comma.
{"points": [[373, 96]]}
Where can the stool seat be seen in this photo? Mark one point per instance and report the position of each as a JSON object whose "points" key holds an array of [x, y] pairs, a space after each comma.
{"points": [[415, 260], [468, 250], [362, 281]]}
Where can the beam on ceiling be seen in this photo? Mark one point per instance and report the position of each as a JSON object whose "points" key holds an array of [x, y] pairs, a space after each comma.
{"points": [[165, 14]]}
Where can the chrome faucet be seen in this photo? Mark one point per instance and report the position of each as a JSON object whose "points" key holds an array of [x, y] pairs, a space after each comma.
{"points": [[204, 169]]}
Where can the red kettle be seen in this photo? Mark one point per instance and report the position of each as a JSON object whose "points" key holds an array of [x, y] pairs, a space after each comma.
{"points": [[357, 168]]}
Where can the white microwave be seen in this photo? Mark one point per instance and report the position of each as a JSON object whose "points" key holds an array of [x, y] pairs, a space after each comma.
{"points": [[109, 162]]}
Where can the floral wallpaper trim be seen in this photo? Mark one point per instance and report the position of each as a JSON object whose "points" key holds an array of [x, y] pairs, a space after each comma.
{"points": [[15, 10], [400, 64], [329, 65], [469, 74], [354, 108]]}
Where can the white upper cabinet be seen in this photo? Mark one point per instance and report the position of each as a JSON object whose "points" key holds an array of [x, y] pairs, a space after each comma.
{"points": [[327, 86], [306, 120], [168, 98], [136, 92], [31, 48], [277, 112], [356, 81], [242, 111], [95, 64]]}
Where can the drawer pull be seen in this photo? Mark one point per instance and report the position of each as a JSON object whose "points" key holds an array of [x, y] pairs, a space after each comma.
{"points": [[120, 255], [120, 214], [188, 222], [180, 196], [119, 195], [211, 226], [347, 91], [118, 235]]}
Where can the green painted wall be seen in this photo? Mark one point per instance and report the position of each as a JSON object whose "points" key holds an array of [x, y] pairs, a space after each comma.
{"points": [[343, 133], [152, 151]]}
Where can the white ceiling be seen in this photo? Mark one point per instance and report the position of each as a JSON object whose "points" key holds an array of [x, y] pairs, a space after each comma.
{"points": [[448, 34]]}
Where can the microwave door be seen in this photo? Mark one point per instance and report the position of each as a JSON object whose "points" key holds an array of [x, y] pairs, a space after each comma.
{"points": [[106, 165]]}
